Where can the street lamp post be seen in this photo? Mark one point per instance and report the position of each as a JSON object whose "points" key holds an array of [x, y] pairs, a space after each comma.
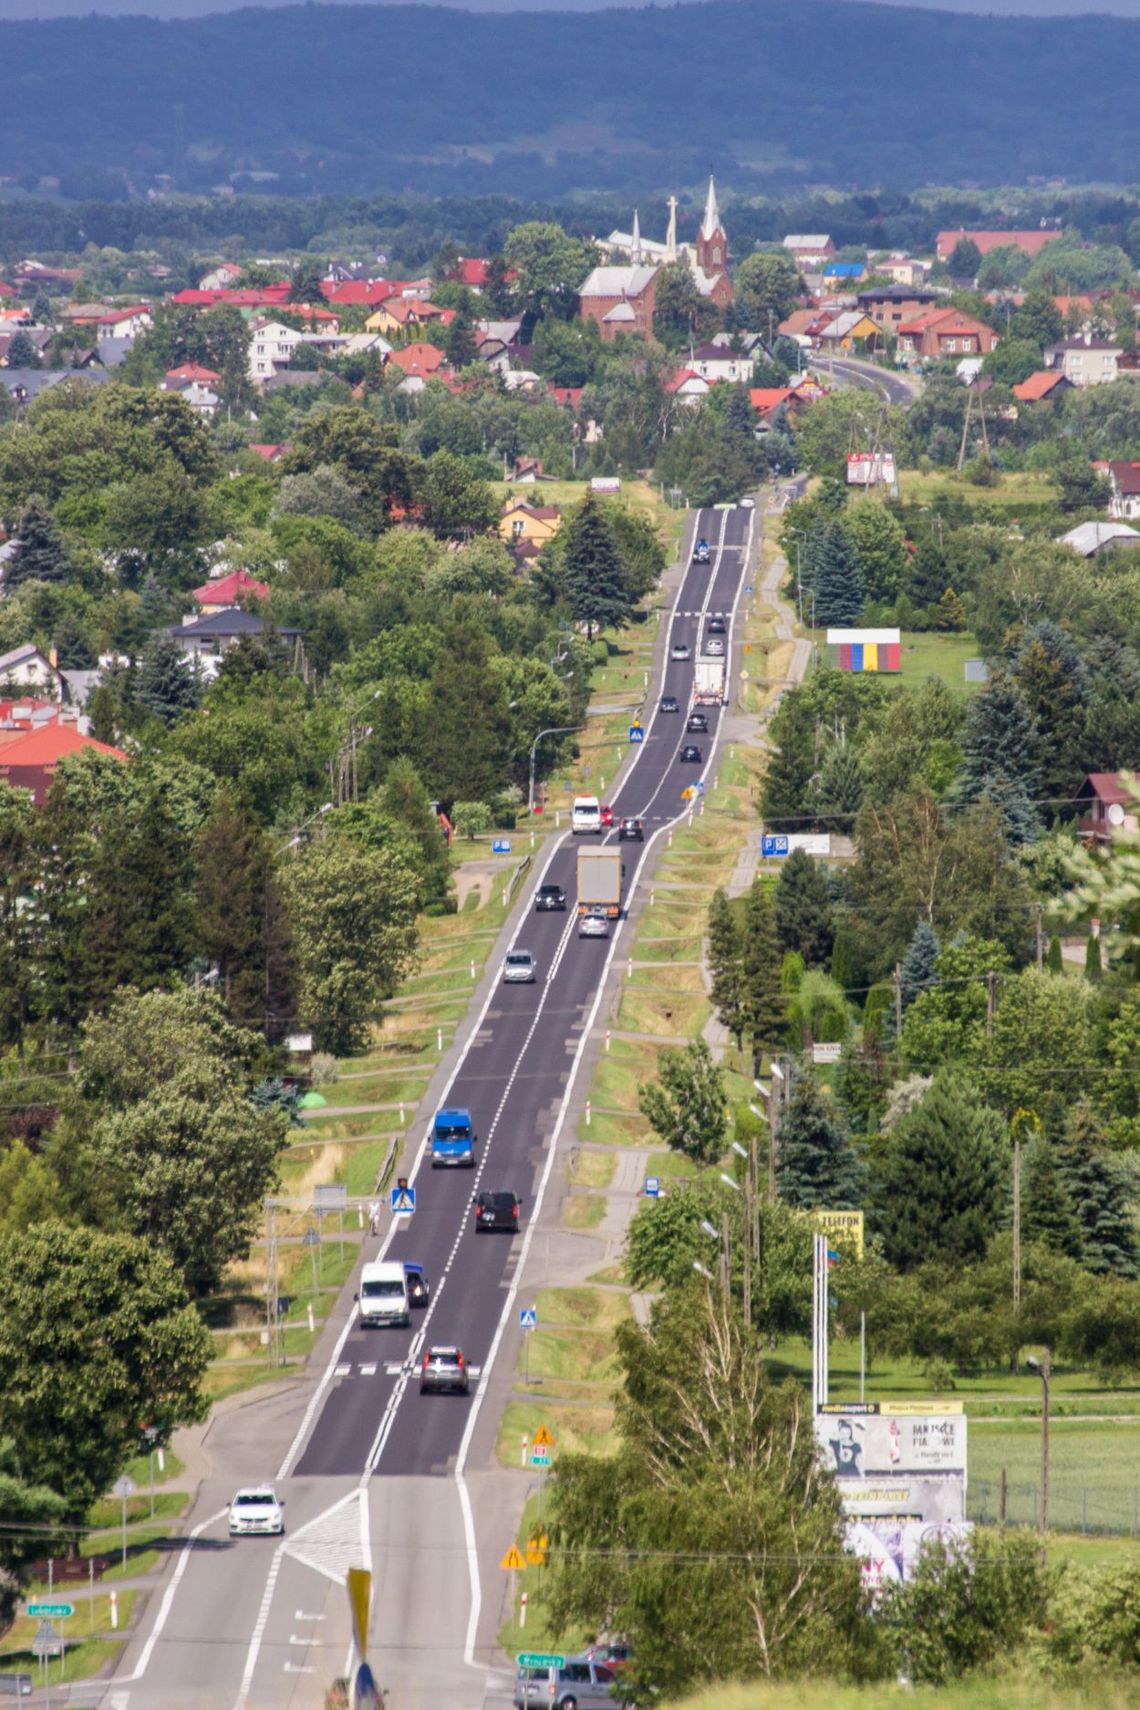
{"points": [[1043, 1367], [552, 730], [294, 842]]}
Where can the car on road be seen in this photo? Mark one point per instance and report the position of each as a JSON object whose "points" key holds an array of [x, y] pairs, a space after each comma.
{"points": [[680, 650], [670, 703], [690, 755], [697, 721], [383, 1294], [631, 831], [716, 626], [613, 1653], [519, 968], [419, 1289], [580, 1684], [442, 1369], [747, 503], [453, 1140], [701, 551], [607, 813], [549, 898], [714, 646], [256, 1511], [593, 926], [585, 815], [497, 1210]]}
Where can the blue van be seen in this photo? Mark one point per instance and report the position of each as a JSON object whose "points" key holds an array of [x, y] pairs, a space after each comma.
{"points": [[453, 1139]]}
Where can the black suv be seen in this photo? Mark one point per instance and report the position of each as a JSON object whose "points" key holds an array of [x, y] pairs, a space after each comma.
{"points": [[716, 626], [497, 1211], [690, 755], [631, 831], [549, 897], [697, 721]]}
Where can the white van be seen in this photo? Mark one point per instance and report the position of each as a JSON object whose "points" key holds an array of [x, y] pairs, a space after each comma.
{"points": [[585, 815], [383, 1297]]}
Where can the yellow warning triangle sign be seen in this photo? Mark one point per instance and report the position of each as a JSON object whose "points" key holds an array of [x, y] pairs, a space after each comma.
{"points": [[513, 1559], [542, 1438]]}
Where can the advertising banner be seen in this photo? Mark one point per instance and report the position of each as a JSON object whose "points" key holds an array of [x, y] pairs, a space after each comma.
{"points": [[856, 1444], [933, 1500], [890, 1548]]}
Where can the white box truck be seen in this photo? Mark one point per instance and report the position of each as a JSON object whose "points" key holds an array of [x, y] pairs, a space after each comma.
{"points": [[708, 683], [599, 881]]}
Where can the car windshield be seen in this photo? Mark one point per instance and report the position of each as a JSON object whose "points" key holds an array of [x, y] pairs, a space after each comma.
{"points": [[518, 959], [452, 1130], [381, 1290], [254, 1499]]}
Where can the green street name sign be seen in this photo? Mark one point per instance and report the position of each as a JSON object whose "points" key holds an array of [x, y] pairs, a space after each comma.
{"points": [[540, 1659], [51, 1611]]}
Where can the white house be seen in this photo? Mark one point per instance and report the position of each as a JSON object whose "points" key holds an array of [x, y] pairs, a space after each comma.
{"points": [[713, 362], [27, 668], [1085, 360], [270, 348], [124, 323]]}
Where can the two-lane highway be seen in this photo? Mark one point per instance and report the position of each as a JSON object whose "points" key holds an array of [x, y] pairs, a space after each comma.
{"points": [[375, 1472]]}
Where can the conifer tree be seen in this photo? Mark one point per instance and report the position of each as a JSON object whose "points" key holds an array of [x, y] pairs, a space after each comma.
{"points": [[1094, 968], [1048, 1214], [1054, 962], [764, 1005], [725, 954], [240, 919], [1100, 1192], [941, 1186], [919, 963], [165, 686], [591, 571], [818, 1164], [40, 555], [804, 915], [838, 584]]}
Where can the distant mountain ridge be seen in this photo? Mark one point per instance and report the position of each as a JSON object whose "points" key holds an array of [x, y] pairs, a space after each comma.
{"points": [[774, 92]]}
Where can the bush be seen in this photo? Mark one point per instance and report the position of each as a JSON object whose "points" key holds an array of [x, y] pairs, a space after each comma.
{"points": [[323, 1069], [1096, 1614], [965, 1606], [471, 819]]}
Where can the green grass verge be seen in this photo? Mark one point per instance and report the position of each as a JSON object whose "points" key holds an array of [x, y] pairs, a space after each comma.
{"points": [[1025, 1690], [583, 1211], [584, 1308], [576, 1430], [650, 1010], [592, 1169], [88, 1652], [1094, 1473]]}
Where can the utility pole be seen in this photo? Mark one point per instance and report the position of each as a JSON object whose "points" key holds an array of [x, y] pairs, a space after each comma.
{"points": [[1044, 1369], [1016, 1223], [991, 986], [898, 1000], [1040, 936], [774, 1128]]}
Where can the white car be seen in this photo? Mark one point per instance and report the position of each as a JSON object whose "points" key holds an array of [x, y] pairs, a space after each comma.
{"points": [[680, 650], [257, 1511], [519, 968], [714, 646], [593, 926]]}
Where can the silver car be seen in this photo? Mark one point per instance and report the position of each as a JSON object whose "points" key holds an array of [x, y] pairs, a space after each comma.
{"points": [[680, 650], [714, 646], [594, 926], [580, 1684], [519, 968]]}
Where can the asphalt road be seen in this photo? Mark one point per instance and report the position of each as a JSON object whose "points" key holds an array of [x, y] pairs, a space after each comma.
{"points": [[893, 388], [375, 1473]]}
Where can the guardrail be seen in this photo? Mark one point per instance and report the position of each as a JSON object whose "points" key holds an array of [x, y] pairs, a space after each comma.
{"points": [[516, 876]]}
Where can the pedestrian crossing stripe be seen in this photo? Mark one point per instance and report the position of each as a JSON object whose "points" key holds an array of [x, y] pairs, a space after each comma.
{"points": [[513, 1560]]}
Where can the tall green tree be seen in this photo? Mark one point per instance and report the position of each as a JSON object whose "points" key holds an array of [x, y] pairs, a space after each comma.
{"points": [[240, 919], [550, 266], [456, 503], [137, 914], [879, 551], [31, 1511], [40, 554], [1038, 1055], [144, 1042], [465, 738], [97, 1340], [818, 1164], [405, 798], [1001, 742], [1099, 1188], [805, 917], [836, 579], [919, 965], [767, 289], [725, 957], [592, 577], [764, 1004], [940, 1189], [1049, 1215], [354, 935], [687, 1104], [166, 686]]}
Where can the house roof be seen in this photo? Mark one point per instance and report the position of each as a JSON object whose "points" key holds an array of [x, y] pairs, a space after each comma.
{"points": [[187, 371], [227, 590], [1089, 537], [621, 312], [1039, 385], [719, 353], [33, 381], [769, 397], [617, 282], [1106, 786], [799, 321], [541, 513], [1031, 242], [684, 377], [1126, 475], [20, 656], [568, 396], [233, 621], [47, 746], [418, 358], [269, 452], [367, 293], [1083, 341], [807, 240]]}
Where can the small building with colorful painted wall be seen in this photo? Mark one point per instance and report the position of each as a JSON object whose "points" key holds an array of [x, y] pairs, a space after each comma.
{"points": [[865, 649]]}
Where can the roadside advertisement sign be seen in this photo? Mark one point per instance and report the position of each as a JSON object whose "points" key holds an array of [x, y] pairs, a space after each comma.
{"points": [[931, 1498], [846, 1224], [890, 1548], [860, 1445]]}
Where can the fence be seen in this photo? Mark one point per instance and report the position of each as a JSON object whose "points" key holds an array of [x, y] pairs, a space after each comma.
{"points": [[1072, 1508]]}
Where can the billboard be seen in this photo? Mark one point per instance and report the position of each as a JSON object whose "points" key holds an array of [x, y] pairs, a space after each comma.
{"points": [[858, 1444], [890, 1548], [933, 1498], [848, 1224]]}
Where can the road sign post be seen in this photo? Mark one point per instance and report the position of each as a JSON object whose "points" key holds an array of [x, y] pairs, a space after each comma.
{"points": [[49, 1612], [653, 1187], [540, 1659], [636, 734], [402, 1199], [528, 1319]]}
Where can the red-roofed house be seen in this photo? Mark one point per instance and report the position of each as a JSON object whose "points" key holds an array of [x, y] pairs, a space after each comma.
{"points": [[1029, 242], [521, 521], [1108, 808], [31, 761], [419, 362], [270, 453], [470, 270], [1124, 480], [944, 333], [1046, 383], [687, 385], [186, 372], [225, 592], [568, 396], [764, 398], [358, 293], [125, 323]]}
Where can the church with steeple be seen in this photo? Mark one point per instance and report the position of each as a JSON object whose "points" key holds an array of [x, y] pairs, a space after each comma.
{"points": [[708, 256]]}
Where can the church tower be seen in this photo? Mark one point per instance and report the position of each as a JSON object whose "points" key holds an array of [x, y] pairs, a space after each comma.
{"points": [[712, 244]]}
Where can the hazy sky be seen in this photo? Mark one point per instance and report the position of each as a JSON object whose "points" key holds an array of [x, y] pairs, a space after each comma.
{"points": [[10, 9]]}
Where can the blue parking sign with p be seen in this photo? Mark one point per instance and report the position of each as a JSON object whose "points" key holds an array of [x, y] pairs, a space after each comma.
{"points": [[771, 844]]}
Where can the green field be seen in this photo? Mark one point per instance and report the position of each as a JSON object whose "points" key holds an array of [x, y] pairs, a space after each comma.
{"points": [[1022, 487], [926, 653]]}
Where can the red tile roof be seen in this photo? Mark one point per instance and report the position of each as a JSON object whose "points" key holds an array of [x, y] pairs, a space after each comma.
{"points": [[228, 590], [1126, 475], [46, 747], [1030, 242], [568, 396], [418, 358], [270, 452], [359, 293], [1039, 385], [1108, 787], [187, 371], [769, 397]]}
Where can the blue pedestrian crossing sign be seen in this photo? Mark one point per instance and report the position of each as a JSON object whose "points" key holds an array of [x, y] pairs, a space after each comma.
{"points": [[653, 1187], [636, 734], [403, 1201], [528, 1317]]}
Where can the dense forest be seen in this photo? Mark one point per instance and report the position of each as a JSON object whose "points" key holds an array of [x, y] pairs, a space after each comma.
{"points": [[408, 97]]}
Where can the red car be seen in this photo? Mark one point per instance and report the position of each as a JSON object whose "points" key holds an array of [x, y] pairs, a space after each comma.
{"points": [[607, 815]]}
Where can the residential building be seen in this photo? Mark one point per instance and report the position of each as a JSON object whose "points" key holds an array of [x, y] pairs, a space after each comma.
{"points": [[27, 668], [223, 593], [125, 323], [1124, 483], [1105, 807], [851, 330], [941, 334], [399, 318], [1045, 383], [418, 362], [687, 386], [809, 250], [1085, 360], [1094, 539], [890, 305], [619, 300], [24, 384], [271, 348], [30, 761], [715, 362], [1031, 243], [207, 638], [534, 524]]}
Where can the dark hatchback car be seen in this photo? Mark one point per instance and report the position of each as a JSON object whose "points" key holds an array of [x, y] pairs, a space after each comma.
{"points": [[631, 831], [690, 755], [419, 1289], [697, 721], [716, 626], [549, 897], [670, 703], [497, 1211]]}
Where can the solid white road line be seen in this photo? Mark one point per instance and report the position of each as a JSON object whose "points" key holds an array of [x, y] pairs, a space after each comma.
{"points": [[163, 1614]]}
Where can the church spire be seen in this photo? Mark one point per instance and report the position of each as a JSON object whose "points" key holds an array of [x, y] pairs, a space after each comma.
{"points": [[635, 255], [711, 221], [671, 233]]}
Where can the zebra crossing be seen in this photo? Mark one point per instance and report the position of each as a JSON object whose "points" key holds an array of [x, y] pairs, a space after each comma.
{"points": [[391, 1368]]}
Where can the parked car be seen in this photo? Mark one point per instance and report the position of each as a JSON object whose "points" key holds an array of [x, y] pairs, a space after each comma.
{"points": [[631, 831], [256, 1511], [580, 1684], [670, 703], [499, 1210], [690, 755], [443, 1369], [519, 968], [419, 1289], [697, 721], [680, 650], [548, 898], [593, 926]]}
